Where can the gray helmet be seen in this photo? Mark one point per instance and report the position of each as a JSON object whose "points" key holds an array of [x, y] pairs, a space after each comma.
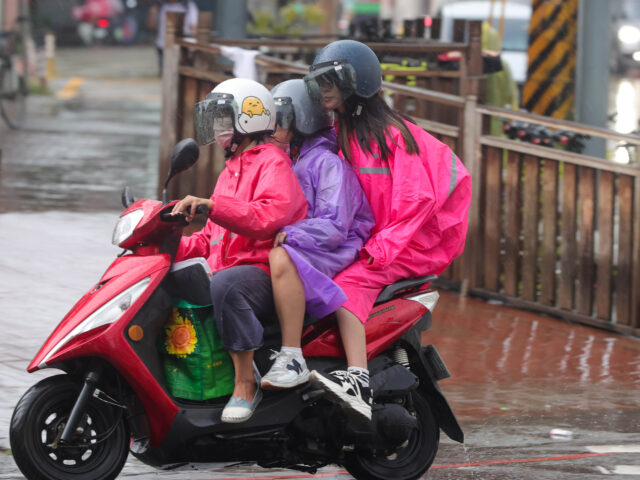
{"points": [[294, 107], [349, 64]]}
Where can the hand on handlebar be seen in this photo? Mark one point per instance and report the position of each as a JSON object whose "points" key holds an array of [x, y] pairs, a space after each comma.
{"points": [[190, 206]]}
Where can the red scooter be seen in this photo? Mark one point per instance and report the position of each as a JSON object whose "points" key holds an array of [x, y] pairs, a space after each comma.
{"points": [[113, 398]]}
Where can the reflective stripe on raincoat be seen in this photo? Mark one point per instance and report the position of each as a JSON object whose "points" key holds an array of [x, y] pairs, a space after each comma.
{"points": [[337, 225], [256, 195], [420, 203]]}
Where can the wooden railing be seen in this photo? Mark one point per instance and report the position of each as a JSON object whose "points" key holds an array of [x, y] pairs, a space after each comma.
{"points": [[560, 231], [549, 230]]}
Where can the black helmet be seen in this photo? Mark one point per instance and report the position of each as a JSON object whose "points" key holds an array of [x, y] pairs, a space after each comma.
{"points": [[294, 108], [349, 64]]}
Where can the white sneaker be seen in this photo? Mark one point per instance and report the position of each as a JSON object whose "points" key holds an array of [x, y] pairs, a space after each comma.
{"points": [[288, 370]]}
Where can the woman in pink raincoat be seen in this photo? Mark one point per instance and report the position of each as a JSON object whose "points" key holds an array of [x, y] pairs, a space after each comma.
{"points": [[419, 192]]}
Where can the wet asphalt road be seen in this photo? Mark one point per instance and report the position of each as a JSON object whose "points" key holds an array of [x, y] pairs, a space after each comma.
{"points": [[515, 376]]}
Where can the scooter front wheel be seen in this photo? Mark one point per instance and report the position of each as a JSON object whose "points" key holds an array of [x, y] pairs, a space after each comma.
{"points": [[97, 451], [411, 460]]}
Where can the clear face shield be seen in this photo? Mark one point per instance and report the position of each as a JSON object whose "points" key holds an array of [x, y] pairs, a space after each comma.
{"points": [[285, 120], [324, 77], [213, 120], [285, 117]]}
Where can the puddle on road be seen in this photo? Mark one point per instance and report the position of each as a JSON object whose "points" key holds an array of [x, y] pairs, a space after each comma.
{"points": [[77, 155], [506, 361], [75, 172]]}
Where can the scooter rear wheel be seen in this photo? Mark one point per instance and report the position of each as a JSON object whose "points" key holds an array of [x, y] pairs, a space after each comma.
{"points": [[411, 460], [38, 420]]}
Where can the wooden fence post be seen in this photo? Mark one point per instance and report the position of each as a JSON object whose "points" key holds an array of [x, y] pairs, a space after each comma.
{"points": [[203, 32], [170, 93], [635, 268], [470, 131], [471, 150], [204, 61]]}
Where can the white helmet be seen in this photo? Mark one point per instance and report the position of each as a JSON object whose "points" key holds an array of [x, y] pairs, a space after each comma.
{"points": [[239, 102]]}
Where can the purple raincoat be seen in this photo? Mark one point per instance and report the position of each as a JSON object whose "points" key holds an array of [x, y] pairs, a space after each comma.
{"points": [[338, 222]]}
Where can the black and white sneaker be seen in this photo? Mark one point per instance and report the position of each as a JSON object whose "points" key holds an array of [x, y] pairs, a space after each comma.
{"points": [[345, 389]]}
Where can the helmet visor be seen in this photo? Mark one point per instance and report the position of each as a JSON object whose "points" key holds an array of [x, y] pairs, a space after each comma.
{"points": [[323, 77], [212, 117], [285, 117]]}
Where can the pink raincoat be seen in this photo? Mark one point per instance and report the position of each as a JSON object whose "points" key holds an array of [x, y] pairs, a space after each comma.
{"points": [[420, 204], [256, 195]]}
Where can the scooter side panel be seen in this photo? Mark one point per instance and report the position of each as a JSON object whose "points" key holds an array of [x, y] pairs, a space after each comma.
{"points": [[387, 323], [110, 343], [128, 270]]}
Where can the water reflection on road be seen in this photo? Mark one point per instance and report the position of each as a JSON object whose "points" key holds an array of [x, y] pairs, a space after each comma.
{"points": [[506, 361]]}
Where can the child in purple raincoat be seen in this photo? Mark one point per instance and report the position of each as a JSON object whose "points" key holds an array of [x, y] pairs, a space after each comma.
{"points": [[309, 253]]}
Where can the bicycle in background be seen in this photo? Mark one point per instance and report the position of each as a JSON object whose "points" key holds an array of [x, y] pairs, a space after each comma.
{"points": [[14, 72]]}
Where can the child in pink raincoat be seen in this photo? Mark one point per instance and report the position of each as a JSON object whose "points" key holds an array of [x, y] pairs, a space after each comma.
{"points": [[419, 192]]}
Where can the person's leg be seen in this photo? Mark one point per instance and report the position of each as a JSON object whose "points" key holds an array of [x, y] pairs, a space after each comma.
{"points": [[245, 381], [353, 338], [289, 368], [288, 295], [349, 388], [240, 296]]}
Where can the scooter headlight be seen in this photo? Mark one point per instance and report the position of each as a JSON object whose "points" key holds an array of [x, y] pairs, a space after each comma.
{"points": [[106, 314], [126, 225]]}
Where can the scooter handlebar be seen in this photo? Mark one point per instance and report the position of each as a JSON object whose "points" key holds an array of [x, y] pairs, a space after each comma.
{"points": [[174, 218], [180, 218]]}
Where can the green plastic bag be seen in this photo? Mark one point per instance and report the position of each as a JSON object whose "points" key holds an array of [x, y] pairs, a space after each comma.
{"points": [[196, 365]]}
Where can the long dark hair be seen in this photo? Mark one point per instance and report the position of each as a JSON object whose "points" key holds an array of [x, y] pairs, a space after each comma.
{"points": [[371, 119]]}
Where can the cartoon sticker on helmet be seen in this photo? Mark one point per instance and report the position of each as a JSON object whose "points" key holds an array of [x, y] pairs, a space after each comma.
{"points": [[253, 116]]}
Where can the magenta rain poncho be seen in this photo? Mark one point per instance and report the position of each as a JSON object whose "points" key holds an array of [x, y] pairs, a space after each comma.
{"points": [[338, 222], [420, 203]]}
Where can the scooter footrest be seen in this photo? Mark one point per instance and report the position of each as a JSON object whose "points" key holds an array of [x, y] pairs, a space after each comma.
{"points": [[435, 362], [313, 395]]}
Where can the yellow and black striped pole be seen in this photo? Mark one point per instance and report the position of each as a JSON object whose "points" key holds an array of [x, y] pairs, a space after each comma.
{"points": [[550, 86]]}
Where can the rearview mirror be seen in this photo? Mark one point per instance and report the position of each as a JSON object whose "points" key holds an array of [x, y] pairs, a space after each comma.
{"points": [[184, 155], [127, 197]]}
